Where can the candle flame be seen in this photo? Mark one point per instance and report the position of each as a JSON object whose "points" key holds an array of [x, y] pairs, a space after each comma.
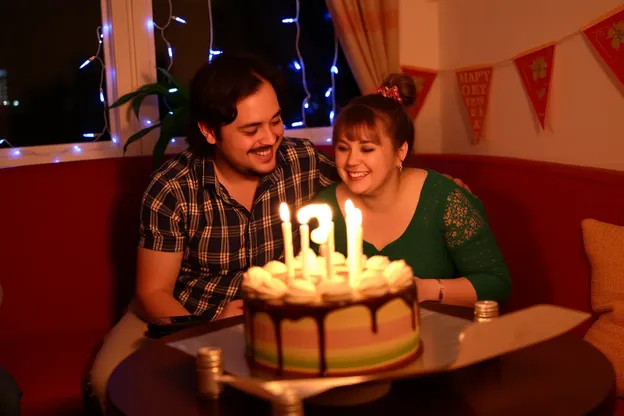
{"points": [[320, 211], [324, 215], [284, 212]]}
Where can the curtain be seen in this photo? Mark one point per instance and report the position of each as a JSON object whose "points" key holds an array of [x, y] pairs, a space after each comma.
{"points": [[368, 31]]}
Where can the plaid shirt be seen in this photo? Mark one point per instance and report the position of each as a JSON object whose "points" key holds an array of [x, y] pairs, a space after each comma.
{"points": [[185, 208]]}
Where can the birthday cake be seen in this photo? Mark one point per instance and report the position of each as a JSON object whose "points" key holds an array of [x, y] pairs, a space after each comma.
{"points": [[332, 323]]}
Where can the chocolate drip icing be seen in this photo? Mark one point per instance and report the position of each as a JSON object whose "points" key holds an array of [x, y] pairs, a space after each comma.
{"points": [[320, 327], [278, 311], [410, 298], [373, 312], [277, 324]]}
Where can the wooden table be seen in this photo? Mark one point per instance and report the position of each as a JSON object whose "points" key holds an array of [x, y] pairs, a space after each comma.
{"points": [[565, 376]]}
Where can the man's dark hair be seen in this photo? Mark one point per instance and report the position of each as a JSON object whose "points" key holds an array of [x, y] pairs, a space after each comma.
{"points": [[216, 89]]}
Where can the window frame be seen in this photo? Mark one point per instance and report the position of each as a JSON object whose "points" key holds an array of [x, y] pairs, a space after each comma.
{"points": [[129, 56]]}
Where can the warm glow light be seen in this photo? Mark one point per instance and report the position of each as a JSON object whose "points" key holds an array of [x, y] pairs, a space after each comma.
{"points": [[323, 213], [357, 216], [349, 206]]}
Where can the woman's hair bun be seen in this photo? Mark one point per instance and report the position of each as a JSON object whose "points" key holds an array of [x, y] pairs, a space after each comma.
{"points": [[406, 86]]}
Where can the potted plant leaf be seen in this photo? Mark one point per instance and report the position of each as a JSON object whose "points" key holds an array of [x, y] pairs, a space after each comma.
{"points": [[175, 97]]}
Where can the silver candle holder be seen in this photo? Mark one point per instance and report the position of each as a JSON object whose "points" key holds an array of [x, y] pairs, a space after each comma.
{"points": [[209, 370]]}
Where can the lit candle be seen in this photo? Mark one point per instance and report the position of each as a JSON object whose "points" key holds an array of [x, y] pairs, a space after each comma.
{"points": [[304, 232], [322, 234], [330, 247], [359, 241], [289, 257], [353, 219]]}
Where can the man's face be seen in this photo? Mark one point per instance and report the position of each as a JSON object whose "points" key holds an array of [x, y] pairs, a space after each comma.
{"points": [[249, 144]]}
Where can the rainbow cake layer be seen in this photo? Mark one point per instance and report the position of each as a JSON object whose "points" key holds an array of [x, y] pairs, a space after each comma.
{"points": [[321, 326]]}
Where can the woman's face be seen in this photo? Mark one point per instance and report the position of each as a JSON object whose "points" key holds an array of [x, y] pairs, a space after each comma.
{"points": [[369, 161]]}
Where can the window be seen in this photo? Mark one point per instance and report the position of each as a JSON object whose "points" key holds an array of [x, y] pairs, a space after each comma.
{"points": [[265, 28], [45, 96], [50, 98]]}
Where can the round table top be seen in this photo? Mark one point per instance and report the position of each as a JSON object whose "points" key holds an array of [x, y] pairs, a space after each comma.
{"points": [[565, 375]]}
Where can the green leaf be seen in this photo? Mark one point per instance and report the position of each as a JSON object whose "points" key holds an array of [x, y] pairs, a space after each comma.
{"points": [[163, 141], [171, 125], [136, 104], [139, 134], [125, 98], [181, 97], [175, 81], [141, 93]]}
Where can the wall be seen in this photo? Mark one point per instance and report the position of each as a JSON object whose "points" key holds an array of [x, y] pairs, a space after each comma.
{"points": [[419, 46], [585, 124]]}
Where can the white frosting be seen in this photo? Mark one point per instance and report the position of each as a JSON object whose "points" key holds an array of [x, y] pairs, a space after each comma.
{"points": [[372, 283], [256, 275], [377, 263], [276, 268], [265, 285], [335, 290], [301, 291], [398, 274], [379, 276], [312, 262], [338, 258]]}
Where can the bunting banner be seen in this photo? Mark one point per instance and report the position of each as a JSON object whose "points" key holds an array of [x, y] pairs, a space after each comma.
{"points": [[535, 68], [607, 38], [423, 78], [474, 85]]}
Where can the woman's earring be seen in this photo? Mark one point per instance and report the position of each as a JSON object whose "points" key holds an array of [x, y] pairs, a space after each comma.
{"points": [[400, 168]]}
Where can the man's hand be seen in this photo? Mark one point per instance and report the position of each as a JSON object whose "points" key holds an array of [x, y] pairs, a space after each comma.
{"points": [[233, 308], [458, 181]]}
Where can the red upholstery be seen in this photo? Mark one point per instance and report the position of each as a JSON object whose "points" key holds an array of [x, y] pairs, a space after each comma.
{"points": [[535, 210], [70, 233], [68, 251]]}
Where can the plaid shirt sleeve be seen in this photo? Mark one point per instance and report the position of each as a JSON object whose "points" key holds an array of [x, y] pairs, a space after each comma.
{"points": [[327, 169], [162, 218]]}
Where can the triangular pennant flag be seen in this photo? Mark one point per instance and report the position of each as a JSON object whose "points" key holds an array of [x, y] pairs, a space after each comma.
{"points": [[536, 68], [423, 78], [607, 37], [474, 85]]}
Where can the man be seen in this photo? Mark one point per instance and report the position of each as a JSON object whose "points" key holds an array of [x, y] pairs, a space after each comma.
{"points": [[212, 212]]}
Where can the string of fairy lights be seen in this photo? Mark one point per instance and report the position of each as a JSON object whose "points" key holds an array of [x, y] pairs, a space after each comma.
{"points": [[76, 148], [297, 64]]}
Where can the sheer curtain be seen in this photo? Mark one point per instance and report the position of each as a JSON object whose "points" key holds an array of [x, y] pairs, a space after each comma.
{"points": [[368, 31]]}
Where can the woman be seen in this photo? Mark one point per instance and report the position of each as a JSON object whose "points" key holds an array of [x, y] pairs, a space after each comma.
{"points": [[417, 215]]}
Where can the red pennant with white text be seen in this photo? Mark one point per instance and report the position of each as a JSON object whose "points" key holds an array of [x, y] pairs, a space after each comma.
{"points": [[474, 85], [536, 68], [423, 78]]}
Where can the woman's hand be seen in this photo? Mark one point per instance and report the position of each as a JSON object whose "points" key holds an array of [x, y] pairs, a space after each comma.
{"points": [[233, 308], [458, 292], [427, 289]]}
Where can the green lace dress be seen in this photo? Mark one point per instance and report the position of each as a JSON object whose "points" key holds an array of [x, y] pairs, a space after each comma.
{"points": [[448, 237]]}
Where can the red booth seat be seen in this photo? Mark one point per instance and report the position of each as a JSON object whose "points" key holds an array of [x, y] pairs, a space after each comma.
{"points": [[70, 233]]}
